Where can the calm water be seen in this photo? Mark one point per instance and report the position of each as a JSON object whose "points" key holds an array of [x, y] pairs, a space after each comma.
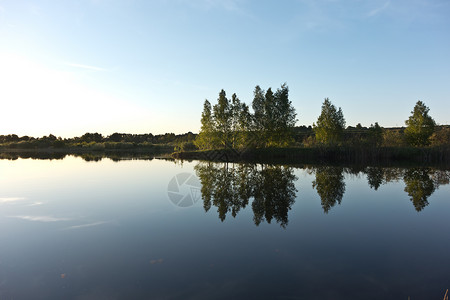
{"points": [[154, 229]]}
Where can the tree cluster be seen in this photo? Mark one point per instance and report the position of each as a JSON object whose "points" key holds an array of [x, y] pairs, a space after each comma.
{"points": [[229, 124], [330, 126]]}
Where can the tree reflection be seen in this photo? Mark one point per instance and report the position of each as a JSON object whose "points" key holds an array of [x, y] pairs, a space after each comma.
{"points": [[420, 182], [206, 173], [375, 177], [274, 194], [229, 187], [330, 186], [419, 186], [440, 177]]}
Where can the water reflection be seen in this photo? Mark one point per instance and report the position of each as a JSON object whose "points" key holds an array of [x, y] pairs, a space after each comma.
{"points": [[271, 189], [375, 176], [87, 156], [229, 187], [69, 226], [419, 186], [330, 186], [274, 194], [420, 183], [32, 155]]}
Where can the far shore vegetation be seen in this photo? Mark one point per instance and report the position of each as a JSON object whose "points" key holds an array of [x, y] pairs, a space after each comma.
{"points": [[96, 142], [232, 131]]}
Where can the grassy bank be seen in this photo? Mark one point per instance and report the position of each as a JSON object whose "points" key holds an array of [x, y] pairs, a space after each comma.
{"points": [[83, 147]]}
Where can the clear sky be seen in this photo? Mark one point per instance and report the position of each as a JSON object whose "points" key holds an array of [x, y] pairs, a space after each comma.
{"points": [[140, 66]]}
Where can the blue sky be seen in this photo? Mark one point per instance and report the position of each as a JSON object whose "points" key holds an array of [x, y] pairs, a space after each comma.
{"points": [[70, 67]]}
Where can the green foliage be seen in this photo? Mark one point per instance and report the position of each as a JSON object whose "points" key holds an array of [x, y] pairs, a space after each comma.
{"points": [[92, 137], [222, 114], [258, 106], [284, 118], [236, 107], [230, 124], [98, 146], [309, 141], [244, 128], [441, 137], [9, 138], [241, 124], [330, 124], [360, 136], [59, 143], [186, 146], [393, 138], [269, 118], [115, 137], [375, 135], [420, 126], [119, 145], [96, 142], [274, 117], [206, 137]]}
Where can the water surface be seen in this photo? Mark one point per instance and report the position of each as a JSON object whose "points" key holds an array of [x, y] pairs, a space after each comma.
{"points": [[155, 229]]}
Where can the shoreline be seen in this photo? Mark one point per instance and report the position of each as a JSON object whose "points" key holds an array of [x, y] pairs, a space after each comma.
{"points": [[324, 155], [288, 155]]}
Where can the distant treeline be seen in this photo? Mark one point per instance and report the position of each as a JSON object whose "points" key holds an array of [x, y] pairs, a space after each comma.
{"points": [[365, 136], [302, 136], [96, 141]]}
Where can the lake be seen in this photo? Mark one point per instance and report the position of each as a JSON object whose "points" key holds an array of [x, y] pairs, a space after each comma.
{"points": [[159, 229]]}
